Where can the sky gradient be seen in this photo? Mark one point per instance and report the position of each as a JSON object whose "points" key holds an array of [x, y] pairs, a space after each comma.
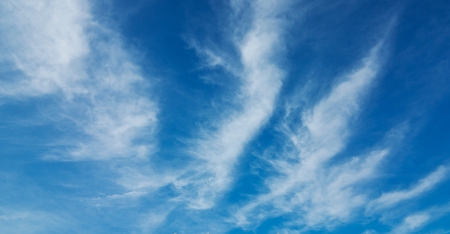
{"points": [[234, 117]]}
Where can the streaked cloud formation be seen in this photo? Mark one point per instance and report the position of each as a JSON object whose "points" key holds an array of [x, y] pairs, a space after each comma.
{"points": [[391, 198], [416, 221], [56, 48], [231, 117], [261, 80], [323, 194]]}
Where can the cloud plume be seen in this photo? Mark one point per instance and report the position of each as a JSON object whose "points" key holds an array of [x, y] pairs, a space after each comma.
{"points": [[57, 48], [261, 79]]}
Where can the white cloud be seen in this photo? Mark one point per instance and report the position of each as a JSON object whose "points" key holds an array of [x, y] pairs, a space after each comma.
{"points": [[29, 221], [411, 223], [45, 41], [153, 220], [115, 199], [414, 222], [261, 80], [57, 48], [98, 93], [387, 200], [316, 193], [327, 124]]}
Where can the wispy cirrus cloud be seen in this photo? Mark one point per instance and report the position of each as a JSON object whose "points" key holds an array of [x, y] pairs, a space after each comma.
{"points": [[100, 167], [412, 223], [416, 221], [44, 42], [260, 81], [316, 193], [94, 90], [57, 48], [14, 221], [390, 199]]}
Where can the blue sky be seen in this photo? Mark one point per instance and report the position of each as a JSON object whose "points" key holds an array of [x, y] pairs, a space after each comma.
{"points": [[224, 116]]}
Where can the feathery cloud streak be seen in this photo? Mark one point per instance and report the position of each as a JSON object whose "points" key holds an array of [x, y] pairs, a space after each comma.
{"points": [[44, 41], [57, 48], [68, 73], [390, 199], [416, 221], [261, 80], [31, 222], [58, 51], [317, 193]]}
